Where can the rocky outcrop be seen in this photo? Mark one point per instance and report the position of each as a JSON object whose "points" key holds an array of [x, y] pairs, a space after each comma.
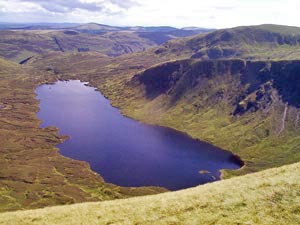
{"points": [[162, 78]]}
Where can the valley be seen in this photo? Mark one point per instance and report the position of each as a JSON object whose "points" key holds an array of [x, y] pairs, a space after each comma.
{"points": [[237, 91]]}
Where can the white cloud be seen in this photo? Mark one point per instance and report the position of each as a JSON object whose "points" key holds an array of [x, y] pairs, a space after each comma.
{"points": [[215, 13], [19, 7], [202, 13]]}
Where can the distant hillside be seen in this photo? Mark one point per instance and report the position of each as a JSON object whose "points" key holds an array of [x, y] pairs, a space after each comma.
{"points": [[268, 197], [7, 66], [36, 26], [105, 28], [23, 42], [20, 45], [96, 27], [158, 34], [252, 43]]}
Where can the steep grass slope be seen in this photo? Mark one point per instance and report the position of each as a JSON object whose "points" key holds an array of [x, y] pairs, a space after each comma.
{"points": [[268, 197]]}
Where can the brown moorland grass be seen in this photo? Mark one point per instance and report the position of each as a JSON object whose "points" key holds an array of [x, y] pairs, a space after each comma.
{"points": [[33, 174]]}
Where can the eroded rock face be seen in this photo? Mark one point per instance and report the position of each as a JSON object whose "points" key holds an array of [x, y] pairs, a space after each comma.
{"points": [[267, 78], [257, 81], [158, 80]]}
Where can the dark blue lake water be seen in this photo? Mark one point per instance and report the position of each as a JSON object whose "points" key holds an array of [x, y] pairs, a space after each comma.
{"points": [[124, 151]]}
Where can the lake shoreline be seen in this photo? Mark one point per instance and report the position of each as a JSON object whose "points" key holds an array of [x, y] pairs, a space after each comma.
{"points": [[234, 158]]}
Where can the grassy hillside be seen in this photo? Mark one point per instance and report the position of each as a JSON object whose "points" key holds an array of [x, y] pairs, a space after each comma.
{"points": [[158, 34], [262, 42], [22, 44], [268, 197], [18, 45], [96, 27]]}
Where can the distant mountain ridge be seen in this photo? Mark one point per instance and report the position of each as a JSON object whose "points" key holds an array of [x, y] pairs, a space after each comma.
{"points": [[21, 41], [94, 26], [34, 26]]}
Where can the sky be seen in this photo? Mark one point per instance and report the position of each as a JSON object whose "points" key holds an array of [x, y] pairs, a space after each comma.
{"points": [[185, 13]]}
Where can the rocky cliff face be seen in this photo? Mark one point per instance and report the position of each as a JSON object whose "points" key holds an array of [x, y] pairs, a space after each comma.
{"points": [[248, 107], [255, 80]]}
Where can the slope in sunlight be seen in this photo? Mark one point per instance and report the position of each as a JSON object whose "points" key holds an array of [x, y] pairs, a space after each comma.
{"points": [[263, 42], [268, 197]]}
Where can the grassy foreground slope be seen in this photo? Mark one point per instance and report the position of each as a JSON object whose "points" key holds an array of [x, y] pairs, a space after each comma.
{"points": [[268, 197]]}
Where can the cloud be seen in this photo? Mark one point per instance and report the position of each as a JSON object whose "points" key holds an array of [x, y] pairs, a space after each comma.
{"points": [[125, 4], [201, 13], [66, 6]]}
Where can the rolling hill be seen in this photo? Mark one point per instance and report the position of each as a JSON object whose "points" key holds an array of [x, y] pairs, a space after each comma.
{"points": [[28, 41], [263, 42], [21, 45]]}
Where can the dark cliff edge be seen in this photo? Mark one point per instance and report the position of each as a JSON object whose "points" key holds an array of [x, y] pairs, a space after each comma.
{"points": [[258, 78]]}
